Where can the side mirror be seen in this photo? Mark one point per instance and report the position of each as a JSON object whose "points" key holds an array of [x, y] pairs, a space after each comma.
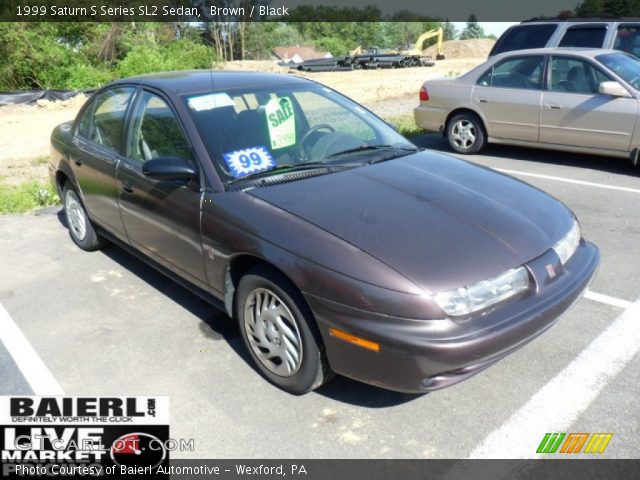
{"points": [[613, 89], [168, 168]]}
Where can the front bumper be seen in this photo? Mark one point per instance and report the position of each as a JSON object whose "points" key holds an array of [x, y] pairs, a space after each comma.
{"points": [[423, 355]]}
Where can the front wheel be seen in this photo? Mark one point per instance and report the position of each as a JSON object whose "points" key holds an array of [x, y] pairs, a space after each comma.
{"points": [[280, 333], [80, 228], [466, 133]]}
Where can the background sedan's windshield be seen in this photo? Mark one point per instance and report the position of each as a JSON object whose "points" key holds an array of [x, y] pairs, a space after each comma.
{"points": [[250, 131], [623, 65]]}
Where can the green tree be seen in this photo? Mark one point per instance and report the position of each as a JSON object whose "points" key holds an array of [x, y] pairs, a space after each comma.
{"points": [[590, 8], [450, 30], [76, 55], [472, 29], [176, 55], [405, 34]]}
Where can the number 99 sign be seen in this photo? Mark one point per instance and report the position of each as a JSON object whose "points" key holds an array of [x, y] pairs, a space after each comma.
{"points": [[249, 160]]}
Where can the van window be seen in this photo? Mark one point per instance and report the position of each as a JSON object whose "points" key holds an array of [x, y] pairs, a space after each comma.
{"points": [[524, 36], [628, 39], [591, 36]]}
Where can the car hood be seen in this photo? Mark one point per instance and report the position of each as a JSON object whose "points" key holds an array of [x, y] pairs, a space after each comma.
{"points": [[439, 221]]}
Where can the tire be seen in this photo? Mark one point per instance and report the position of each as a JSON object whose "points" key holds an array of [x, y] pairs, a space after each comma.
{"points": [[81, 229], [282, 338], [465, 133]]}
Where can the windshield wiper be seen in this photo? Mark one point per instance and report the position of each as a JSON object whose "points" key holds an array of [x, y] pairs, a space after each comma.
{"points": [[364, 148], [293, 168]]}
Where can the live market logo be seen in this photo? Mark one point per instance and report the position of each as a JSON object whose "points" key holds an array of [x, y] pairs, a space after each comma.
{"points": [[82, 435]]}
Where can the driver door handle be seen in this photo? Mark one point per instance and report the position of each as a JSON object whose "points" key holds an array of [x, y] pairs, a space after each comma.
{"points": [[127, 187], [554, 106]]}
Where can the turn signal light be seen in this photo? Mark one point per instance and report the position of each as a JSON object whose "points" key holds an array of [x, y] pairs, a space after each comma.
{"points": [[360, 342], [424, 95]]}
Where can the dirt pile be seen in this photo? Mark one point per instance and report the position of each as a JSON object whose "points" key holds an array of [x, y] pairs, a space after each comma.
{"points": [[476, 48], [257, 65], [73, 105]]}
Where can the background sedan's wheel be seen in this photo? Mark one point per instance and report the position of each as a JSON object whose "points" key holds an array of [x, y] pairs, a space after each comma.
{"points": [[466, 133], [80, 228], [280, 332]]}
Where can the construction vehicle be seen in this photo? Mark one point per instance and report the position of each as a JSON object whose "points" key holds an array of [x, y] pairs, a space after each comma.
{"points": [[417, 47], [376, 57]]}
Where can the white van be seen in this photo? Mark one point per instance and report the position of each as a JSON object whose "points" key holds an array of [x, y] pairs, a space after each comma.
{"points": [[623, 35]]}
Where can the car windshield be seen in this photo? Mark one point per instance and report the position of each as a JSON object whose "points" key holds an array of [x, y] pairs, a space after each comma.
{"points": [[624, 65], [261, 132]]}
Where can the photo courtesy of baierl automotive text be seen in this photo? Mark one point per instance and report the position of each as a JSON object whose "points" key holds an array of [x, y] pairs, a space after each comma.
{"points": [[295, 238]]}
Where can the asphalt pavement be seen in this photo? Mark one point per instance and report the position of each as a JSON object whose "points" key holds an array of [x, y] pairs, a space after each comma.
{"points": [[104, 323]]}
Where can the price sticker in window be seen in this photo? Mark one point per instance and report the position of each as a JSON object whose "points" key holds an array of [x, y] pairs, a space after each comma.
{"points": [[249, 160], [281, 122]]}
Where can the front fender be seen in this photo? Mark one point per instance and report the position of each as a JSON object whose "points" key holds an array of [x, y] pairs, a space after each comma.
{"points": [[318, 263]]}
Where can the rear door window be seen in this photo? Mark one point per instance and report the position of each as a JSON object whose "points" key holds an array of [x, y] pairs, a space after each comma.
{"points": [[522, 37], [103, 123], [518, 72], [588, 36]]}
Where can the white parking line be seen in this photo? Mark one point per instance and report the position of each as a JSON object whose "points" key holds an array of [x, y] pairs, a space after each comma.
{"points": [[606, 299], [568, 180], [561, 401], [27, 359]]}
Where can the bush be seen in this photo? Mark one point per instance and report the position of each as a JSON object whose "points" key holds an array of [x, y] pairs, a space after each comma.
{"points": [[83, 75], [177, 55], [406, 125]]}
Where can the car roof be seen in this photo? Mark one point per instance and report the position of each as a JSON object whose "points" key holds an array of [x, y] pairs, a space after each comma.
{"points": [[196, 81], [581, 21], [582, 52]]}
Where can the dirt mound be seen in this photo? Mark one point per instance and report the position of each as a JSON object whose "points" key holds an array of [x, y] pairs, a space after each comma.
{"points": [[257, 65], [476, 48], [72, 104]]}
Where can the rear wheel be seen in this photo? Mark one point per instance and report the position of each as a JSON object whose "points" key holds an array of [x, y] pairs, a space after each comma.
{"points": [[80, 228], [280, 332], [466, 133]]}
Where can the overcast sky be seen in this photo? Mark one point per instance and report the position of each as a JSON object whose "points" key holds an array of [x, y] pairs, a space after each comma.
{"points": [[495, 28]]}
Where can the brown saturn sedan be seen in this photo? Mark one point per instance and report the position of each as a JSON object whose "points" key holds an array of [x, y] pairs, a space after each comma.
{"points": [[336, 244]]}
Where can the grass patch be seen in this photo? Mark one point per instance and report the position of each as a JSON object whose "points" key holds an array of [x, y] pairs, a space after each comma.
{"points": [[41, 160], [406, 125], [25, 197]]}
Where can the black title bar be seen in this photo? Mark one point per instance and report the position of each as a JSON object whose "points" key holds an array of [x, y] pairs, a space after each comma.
{"points": [[285, 10]]}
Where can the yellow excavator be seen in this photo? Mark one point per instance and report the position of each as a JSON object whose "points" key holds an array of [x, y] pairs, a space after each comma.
{"points": [[417, 48]]}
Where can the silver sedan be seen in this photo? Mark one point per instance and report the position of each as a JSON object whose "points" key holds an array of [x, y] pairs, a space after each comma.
{"points": [[579, 100]]}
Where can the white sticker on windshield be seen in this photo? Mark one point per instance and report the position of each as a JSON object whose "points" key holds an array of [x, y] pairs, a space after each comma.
{"points": [[249, 160], [210, 101], [281, 122]]}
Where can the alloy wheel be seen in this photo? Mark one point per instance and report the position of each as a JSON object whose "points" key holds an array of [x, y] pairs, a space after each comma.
{"points": [[272, 332], [75, 214], [464, 134]]}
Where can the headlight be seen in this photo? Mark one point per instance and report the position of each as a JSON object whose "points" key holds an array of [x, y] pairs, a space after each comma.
{"points": [[568, 245], [469, 299]]}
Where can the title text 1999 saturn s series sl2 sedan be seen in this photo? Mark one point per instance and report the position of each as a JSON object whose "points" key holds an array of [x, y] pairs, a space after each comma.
{"points": [[336, 243]]}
